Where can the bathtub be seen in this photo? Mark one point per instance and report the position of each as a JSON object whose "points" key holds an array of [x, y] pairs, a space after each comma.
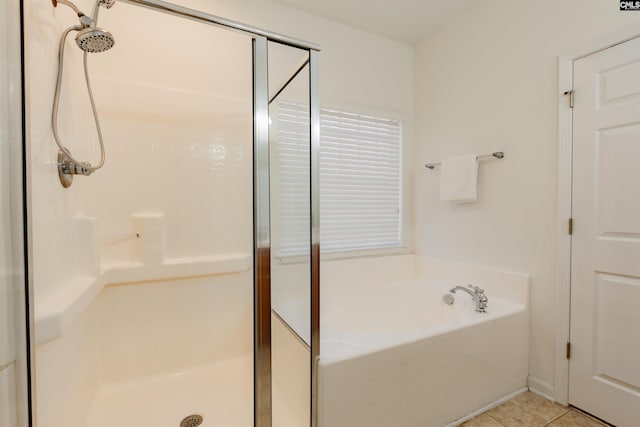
{"points": [[394, 354]]}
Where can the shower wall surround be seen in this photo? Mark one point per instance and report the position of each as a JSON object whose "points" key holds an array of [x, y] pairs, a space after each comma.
{"points": [[67, 368], [177, 128]]}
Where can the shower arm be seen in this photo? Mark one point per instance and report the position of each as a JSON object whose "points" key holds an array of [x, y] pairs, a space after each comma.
{"points": [[84, 19], [96, 10], [67, 3]]}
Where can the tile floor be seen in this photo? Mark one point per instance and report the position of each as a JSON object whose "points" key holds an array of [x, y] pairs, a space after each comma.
{"points": [[530, 410]]}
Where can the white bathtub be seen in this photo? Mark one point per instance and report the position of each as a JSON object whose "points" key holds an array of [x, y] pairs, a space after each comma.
{"points": [[395, 355]]}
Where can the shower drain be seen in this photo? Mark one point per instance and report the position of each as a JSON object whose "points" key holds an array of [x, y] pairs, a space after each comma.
{"points": [[191, 421]]}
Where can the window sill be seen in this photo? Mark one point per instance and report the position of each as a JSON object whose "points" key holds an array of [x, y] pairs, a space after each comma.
{"points": [[348, 254], [364, 253]]}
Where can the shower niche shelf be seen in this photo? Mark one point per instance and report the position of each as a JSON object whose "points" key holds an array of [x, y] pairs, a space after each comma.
{"points": [[54, 314]]}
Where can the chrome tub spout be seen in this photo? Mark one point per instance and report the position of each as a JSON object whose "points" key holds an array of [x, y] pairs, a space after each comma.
{"points": [[477, 295]]}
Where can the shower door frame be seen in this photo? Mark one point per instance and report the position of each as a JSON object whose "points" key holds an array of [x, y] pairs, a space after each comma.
{"points": [[261, 175], [25, 348]]}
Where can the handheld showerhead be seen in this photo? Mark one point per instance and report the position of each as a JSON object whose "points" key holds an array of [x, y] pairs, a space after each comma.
{"points": [[90, 39], [94, 40], [107, 3]]}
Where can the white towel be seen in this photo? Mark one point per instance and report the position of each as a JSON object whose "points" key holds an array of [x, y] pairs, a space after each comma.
{"points": [[458, 178]]}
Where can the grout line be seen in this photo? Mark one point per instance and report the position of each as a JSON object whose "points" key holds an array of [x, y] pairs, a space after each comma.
{"points": [[487, 408], [525, 409], [591, 417], [543, 395], [566, 411], [496, 420], [548, 423], [529, 410]]}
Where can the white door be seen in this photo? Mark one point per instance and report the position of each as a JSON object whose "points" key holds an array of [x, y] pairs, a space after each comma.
{"points": [[605, 272]]}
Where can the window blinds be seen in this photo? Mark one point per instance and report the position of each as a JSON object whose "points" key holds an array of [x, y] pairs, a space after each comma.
{"points": [[293, 174], [360, 180], [360, 185]]}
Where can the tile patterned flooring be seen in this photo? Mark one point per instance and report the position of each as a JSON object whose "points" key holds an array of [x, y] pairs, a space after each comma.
{"points": [[530, 410]]}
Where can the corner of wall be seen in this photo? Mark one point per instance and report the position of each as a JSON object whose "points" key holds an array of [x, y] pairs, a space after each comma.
{"points": [[540, 387]]}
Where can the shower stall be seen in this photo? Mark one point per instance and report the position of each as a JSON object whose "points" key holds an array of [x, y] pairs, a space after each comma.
{"points": [[174, 277]]}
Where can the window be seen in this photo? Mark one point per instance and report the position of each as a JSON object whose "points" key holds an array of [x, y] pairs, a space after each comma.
{"points": [[360, 180]]}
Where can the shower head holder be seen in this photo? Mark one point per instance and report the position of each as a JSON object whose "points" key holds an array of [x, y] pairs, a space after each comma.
{"points": [[67, 168]]}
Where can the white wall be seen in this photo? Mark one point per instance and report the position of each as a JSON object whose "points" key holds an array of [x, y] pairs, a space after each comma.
{"points": [[488, 81], [358, 69]]}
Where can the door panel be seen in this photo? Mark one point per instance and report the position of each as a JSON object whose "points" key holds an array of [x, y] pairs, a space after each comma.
{"points": [[605, 286], [616, 360], [290, 197], [618, 154]]}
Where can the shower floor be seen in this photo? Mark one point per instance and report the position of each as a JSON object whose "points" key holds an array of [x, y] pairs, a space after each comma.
{"points": [[221, 392]]}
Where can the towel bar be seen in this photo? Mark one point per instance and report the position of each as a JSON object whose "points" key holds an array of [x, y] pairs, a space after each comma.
{"points": [[497, 155]]}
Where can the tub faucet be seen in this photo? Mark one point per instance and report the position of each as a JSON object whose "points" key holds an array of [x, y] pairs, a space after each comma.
{"points": [[477, 295]]}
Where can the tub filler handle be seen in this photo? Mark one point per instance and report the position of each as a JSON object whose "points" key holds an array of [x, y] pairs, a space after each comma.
{"points": [[477, 294]]}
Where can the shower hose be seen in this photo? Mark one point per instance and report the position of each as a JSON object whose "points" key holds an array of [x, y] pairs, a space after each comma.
{"points": [[89, 168]]}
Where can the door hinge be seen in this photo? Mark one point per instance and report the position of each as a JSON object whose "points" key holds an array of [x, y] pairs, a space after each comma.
{"points": [[570, 228], [568, 350], [571, 97]]}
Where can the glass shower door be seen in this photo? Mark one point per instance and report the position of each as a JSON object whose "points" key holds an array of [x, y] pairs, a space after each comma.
{"points": [[294, 258], [168, 335], [14, 387]]}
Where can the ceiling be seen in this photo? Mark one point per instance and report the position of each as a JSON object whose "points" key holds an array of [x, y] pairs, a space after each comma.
{"points": [[407, 21]]}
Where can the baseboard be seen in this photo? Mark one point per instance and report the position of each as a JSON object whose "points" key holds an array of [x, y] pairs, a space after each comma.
{"points": [[486, 408], [541, 388]]}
